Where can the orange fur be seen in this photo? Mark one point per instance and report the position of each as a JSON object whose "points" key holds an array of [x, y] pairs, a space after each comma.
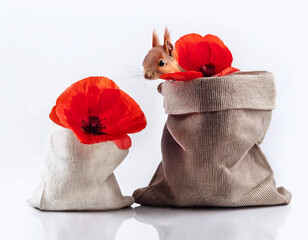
{"points": [[166, 53]]}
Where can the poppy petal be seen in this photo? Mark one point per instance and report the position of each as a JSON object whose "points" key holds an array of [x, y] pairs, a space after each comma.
{"points": [[221, 56], [197, 53], [123, 143], [182, 76], [227, 71], [125, 116], [193, 51], [98, 112], [54, 117], [107, 99], [82, 136], [89, 87], [86, 86]]}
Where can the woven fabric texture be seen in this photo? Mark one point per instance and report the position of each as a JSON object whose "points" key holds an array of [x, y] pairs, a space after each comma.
{"points": [[211, 152], [79, 176]]}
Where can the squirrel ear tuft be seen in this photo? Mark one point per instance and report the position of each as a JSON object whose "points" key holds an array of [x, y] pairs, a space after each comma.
{"points": [[155, 40], [167, 35], [167, 43]]}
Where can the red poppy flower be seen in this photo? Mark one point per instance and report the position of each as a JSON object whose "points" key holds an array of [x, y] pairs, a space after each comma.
{"points": [[201, 57], [96, 110]]}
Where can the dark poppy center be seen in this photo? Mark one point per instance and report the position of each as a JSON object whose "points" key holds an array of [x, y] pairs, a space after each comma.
{"points": [[208, 70], [93, 125]]}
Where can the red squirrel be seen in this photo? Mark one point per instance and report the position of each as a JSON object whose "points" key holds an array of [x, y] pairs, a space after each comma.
{"points": [[161, 59]]}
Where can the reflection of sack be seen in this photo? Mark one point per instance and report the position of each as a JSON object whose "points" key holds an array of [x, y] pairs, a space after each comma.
{"points": [[210, 144], [80, 225], [200, 224], [79, 176]]}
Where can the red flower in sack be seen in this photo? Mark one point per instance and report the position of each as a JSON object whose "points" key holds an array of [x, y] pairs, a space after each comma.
{"points": [[96, 110], [201, 57]]}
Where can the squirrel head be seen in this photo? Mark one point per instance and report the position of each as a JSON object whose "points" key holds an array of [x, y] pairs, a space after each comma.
{"points": [[161, 59]]}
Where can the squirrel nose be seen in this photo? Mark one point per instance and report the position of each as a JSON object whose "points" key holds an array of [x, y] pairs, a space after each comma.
{"points": [[147, 75]]}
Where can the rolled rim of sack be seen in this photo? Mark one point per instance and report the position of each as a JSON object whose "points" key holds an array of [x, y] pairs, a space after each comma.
{"points": [[240, 90]]}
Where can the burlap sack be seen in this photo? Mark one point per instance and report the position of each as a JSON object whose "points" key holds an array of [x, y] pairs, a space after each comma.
{"points": [[210, 144], [79, 176]]}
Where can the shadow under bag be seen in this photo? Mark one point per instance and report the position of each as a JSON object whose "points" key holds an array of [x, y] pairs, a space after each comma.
{"points": [[210, 144]]}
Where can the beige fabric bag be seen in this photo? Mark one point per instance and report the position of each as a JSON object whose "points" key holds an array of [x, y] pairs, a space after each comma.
{"points": [[210, 144], [79, 176]]}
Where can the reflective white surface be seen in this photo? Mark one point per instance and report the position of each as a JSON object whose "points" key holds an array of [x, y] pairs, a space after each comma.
{"points": [[141, 222], [47, 45], [245, 223], [180, 224], [87, 225], [19, 221]]}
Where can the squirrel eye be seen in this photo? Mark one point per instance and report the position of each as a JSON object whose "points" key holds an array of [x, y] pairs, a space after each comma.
{"points": [[161, 63]]}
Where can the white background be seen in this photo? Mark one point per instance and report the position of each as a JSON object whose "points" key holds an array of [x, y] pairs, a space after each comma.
{"points": [[47, 45]]}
